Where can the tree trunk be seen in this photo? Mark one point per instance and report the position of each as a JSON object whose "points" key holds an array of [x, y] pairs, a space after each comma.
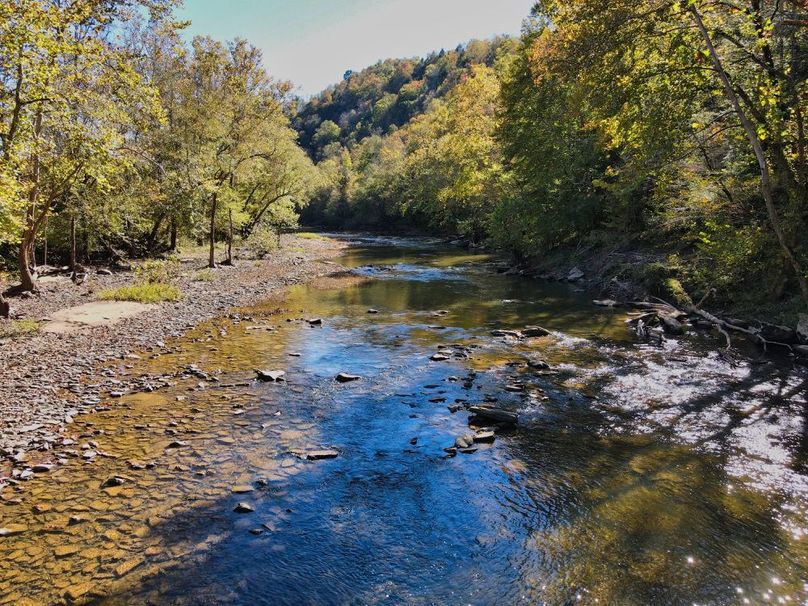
{"points": [[27, 278], [173, 243], [158, 222], [5, 308], [45, 248], [751, 134], [212, 234], [73, 260], [230, 239]]}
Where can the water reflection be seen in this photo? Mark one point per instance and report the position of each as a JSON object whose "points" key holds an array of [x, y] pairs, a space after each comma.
{"points": [[637, 475]]}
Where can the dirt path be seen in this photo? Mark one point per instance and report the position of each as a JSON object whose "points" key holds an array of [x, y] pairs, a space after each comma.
{"points": [[46, 379]]}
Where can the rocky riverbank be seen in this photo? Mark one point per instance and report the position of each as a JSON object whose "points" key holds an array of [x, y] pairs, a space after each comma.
{"points": [[49, 377]]}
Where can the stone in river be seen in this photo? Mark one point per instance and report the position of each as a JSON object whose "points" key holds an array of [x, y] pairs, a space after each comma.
{"points": [[243, 508], [439, 357], [63, 551], [78, 591], [344, 377], [575, 275], [128, 566], [177, 444], [373, 311], [256, 531], [114, 481], [316, 455], [495, 414], [453, 408], [315, 321], [468, 450], [535, 331], [12, 529], [42, 468], [464, 441], [241, 489], [270, 375], [484, 436], [506, 333]]}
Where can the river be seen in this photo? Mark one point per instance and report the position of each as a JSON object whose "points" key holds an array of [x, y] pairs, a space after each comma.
{"points": [[637, 474]]}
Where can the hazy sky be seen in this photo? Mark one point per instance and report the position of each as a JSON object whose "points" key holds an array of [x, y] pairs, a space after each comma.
{"points": [[313, 42]]}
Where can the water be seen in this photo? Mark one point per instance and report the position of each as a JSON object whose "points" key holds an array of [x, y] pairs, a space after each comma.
{"points": [[637, 474]]}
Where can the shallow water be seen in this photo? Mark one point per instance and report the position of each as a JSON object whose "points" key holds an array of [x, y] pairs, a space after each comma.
{"points": [[637, 474]]}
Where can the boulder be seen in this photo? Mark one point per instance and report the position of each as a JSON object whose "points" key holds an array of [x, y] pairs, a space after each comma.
{"points": [[574, 275], [495, 414], [535, 331], [802, 329]]}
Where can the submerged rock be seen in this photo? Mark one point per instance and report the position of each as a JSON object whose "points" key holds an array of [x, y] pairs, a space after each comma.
{"points": [[243, 508]]}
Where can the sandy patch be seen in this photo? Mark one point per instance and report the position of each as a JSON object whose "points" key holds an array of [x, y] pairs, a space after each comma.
{"points": [[99, 313]]}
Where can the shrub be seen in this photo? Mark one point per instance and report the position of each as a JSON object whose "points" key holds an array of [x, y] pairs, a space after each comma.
{"points": [[10, 329], [205, 275], [142, 293]]}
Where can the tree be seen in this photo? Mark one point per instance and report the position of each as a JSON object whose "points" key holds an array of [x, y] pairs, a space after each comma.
{"points": [[68, 95]]}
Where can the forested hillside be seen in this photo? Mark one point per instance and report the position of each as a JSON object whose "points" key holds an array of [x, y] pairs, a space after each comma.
{"points": [[665, 126]]}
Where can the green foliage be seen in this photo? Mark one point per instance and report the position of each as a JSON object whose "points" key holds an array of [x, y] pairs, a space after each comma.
{"points": [[13, 329], [205, 275], [142, 293], [157, 271]]}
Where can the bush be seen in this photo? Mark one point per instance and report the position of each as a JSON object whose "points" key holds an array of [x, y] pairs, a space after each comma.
{"points": [[156, 271], [205, 275], [11, 329], [142, 293]]}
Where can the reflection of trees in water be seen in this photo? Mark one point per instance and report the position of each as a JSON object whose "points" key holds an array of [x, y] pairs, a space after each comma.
{"points": [[620, 518]]}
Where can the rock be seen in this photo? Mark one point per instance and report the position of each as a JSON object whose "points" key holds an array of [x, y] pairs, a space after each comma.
{"points": [[241, 489], [574, 275], [671, 325], [484, 436], [468, 450], [114, 481], [243, 508], [781, 334], [12, 530], [344, 377], [42, 468], [63, 551], [802, 329], [506, 333], [177, 444], [76, 520], [538, 364], [534, 331], [256, 531], [495, 414], [78, 591], [605, 303], [801, 350], [316, 455], [272, 376], [464, 441], [128, 566], [439, 357], [515, 387], [373, 311], [453, 408], [315, 321]]}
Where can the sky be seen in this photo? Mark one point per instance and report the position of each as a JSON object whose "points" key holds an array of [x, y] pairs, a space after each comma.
{"points": [[313, 42]]}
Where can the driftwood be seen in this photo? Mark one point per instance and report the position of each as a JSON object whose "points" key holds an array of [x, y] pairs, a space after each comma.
{"points": [[672, 321]]}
